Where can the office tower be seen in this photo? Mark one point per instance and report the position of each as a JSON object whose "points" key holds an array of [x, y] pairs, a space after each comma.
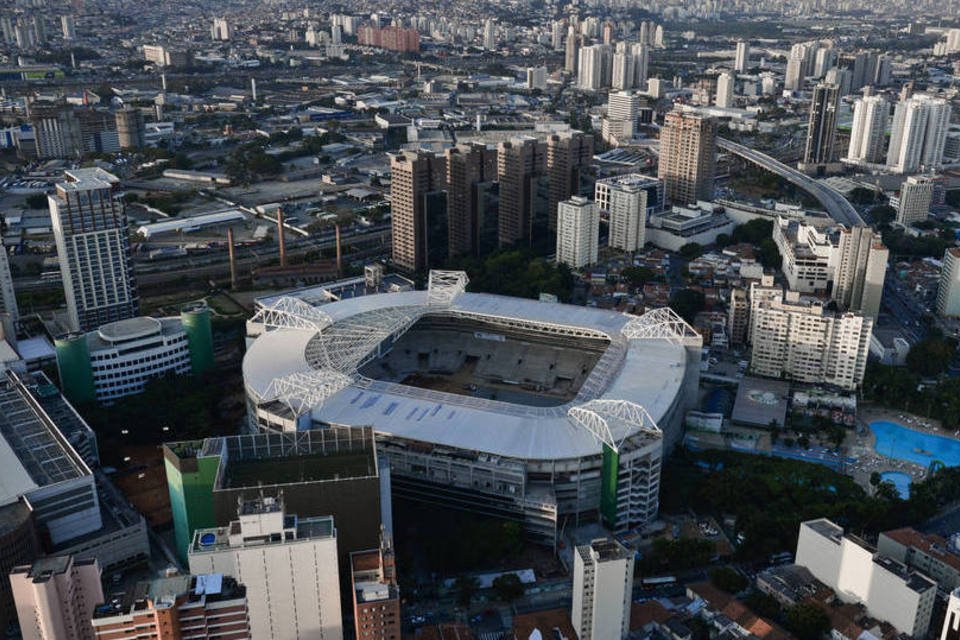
{"points": [[418, 208], [688, 143], [602, 590], [55, 597], [623, 109], [628, 216], [287, 564], [130, 128], [590, 76], [742, 57], [868, 132], [221, 29], [568, 153], [93, 247], [201, 607], [852, 568], [376, 596], [918, 133], [800, 338], [537, 78], [725, 90], [556, 35], [571, 51], [916, 196], [578, 228], [820, 149], [8, 297], [948, 292], [490, 35], [470, 169], [521, 165], [69, 27]]}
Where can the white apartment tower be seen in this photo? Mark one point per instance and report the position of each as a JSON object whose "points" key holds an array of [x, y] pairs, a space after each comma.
{"points": [[867, 136], [951, 623], [623, 68], [288, 565], [490, 35], [918, 133], [602, 590], [8, 297], [948, 293], [93, 247], [916, 195], [742, 58], [69, 27], [594, 61], [623, 109], [799, 338], [628, 217], [887, 589], [220, 30], [578, 229], [725, 90]]}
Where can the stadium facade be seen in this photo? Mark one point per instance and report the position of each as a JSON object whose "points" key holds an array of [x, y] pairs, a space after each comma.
{"points": [[548, 414]]}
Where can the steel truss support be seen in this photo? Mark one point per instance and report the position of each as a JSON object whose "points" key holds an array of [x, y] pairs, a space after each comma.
{"points": [[292, 313], [663, 324], [613, 421], [444, 286]]}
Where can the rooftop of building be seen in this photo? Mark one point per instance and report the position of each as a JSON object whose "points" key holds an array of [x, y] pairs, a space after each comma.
{"points": [[911, 579], [930, 544], [550, 624], [826, 529], [166, 591], [605, 550], [43, 569], [33, 451], [87, 179], [218, 539], [116, 334]]}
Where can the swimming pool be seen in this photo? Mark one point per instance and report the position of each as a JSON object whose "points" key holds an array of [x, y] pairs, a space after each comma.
{"points": [[896, 441], [900, 480]]}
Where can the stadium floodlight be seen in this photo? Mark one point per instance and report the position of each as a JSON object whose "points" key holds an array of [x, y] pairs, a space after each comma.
{"points": [[444, 286], [661, 324], [302, 391], [613, 421], [292, 313]]}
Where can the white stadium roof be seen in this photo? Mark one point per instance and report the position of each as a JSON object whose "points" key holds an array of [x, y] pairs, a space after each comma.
{"points": [[643, 368]]}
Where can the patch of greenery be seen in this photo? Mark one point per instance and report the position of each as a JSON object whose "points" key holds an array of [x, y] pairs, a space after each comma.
{"points": [[517, 272]]}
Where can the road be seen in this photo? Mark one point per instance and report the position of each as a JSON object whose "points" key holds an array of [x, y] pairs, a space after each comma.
{"points": [[838, 207]]}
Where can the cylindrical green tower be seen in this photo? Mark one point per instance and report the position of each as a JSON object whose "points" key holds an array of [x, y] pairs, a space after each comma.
{"points": [[197, 325], [73, 362]]}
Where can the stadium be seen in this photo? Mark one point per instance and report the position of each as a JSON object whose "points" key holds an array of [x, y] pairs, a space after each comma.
{"points": [[548, 414]]}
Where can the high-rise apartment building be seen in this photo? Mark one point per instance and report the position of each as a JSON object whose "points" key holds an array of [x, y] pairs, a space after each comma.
{"points": [[951, 622], [688, 149], [623, 109], [623, 72], [628, 216], [820, 149], [93, 247], [738, 316], [887, 589], [201, 607], [418, 210], [800, 338], [55, 597], [948, 292], [287, 564], [578, 228], [220, 30], [490, 35], [571, 57], [567, 154], [595, 70], [868, 132], [918, 133], [69, 27], [471, 216], [741, 60], [849, 263], [726, 92], [521, 170], [602, 590], [916, 196], [130, 128], [376, 596]]}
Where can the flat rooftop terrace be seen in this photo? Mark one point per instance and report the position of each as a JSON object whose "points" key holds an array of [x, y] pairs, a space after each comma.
{"points": [[307, 468]]}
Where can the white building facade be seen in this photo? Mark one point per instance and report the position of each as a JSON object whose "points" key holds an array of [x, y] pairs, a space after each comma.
{"points": [[602, 590], [578, 231]]}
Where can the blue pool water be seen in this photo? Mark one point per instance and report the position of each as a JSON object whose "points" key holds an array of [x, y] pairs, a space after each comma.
{"points": [[900, 480], [898, 442]]}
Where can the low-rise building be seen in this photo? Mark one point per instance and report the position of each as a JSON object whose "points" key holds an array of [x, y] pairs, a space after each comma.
{"points": [[376, 596], [927, 553]]}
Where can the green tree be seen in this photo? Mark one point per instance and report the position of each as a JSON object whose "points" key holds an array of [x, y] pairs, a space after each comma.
{"points": [[637, 276], [931, 356], [762, 604], [508, 587], [753, 232], [807, 621], [769, 254], [687, 303], [728, 579], [883, 214], [691, 250], [466, 587]]}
